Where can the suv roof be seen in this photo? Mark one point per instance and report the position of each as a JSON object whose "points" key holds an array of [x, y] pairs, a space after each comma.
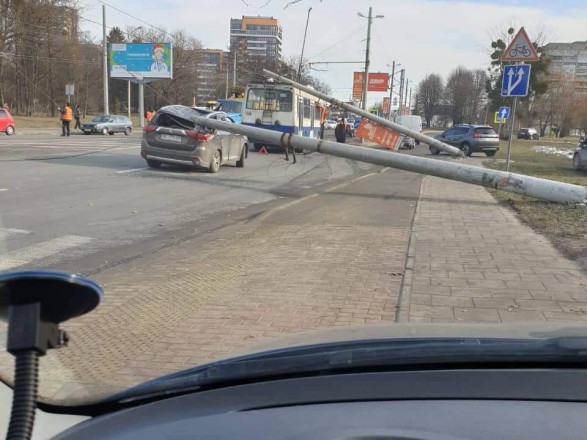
{"points": [[473, 125]]}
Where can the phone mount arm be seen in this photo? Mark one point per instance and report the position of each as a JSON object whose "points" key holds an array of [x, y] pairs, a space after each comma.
{"points": [[34, 303]]}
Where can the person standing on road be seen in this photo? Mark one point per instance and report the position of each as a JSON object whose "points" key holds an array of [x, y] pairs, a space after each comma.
{"points": [[340, 131], [66, 117], [77, 115]]}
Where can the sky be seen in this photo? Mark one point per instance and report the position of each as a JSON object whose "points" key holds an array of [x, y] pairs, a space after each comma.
{"points": [[424, 36]]}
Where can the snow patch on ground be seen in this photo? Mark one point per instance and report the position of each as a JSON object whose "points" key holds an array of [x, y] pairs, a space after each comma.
{"points": [[565, 152]]}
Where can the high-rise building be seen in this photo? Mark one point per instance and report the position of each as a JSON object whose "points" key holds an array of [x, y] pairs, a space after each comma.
{"points": [[211, 74], [569, 59], [257, 37]]}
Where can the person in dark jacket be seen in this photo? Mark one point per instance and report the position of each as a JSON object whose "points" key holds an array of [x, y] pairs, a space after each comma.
{"points": [[77, 114], [340, 131]]}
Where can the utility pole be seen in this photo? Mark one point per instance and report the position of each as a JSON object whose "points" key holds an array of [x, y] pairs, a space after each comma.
{"points": [[105, 60], [401, 90], [410, 102], [226, 92], [366, 74], [128, 99], [303, 45], [406, 93], [234, 71], [391, 89], [367, 60]]}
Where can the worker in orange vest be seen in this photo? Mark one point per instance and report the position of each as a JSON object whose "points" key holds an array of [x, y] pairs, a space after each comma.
{"points": [[66, 117]]}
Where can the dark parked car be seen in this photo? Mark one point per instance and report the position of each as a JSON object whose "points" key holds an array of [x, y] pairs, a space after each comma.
{"points": [[580, 156], [529, 134], [108, 124], [470, 139], [173, 137]]}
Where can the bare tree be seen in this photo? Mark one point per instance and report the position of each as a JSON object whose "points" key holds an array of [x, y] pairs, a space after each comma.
{"points": [[465, 95], [430, 91]]}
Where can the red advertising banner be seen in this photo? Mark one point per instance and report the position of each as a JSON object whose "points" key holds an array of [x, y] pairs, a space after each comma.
{"points": [[378, 82], [385, 106], [383, 136], [358, 85]]}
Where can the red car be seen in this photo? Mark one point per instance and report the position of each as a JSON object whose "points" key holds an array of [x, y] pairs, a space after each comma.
{"points": [[6, 122]]}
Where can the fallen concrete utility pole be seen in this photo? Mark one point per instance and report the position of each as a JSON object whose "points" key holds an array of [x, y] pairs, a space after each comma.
{"points": [[380, 121], [516, 183]]}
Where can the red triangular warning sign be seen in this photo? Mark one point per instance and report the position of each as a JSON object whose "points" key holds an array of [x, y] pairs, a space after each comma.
{"points": [[263, 150], [520, 49]]}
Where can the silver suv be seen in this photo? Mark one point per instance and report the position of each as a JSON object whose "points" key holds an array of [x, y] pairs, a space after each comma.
{"points": [[470, 139]]}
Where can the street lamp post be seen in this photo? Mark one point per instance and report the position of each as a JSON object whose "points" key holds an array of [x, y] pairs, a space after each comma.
{"points": [[367, 61]]}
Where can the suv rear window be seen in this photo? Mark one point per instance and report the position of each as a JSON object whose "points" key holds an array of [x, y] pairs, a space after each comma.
{"points": [[485, 130], [172, 121]]}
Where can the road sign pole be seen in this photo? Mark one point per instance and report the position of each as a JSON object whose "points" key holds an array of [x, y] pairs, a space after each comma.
{"points": [[141, 104], [512, 120]]}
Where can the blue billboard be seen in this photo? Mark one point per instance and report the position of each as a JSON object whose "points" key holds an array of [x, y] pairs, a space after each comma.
{"points": [[140, 60]]}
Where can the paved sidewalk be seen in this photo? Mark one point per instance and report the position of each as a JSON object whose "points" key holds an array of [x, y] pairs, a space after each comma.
{"points": [[472, 260]]}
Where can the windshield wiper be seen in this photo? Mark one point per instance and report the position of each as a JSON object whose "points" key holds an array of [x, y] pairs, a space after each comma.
{"points": [[366, 356]]}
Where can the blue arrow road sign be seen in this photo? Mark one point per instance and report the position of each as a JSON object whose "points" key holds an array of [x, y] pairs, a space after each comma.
{"points": [[504, 113], [516, 78]]}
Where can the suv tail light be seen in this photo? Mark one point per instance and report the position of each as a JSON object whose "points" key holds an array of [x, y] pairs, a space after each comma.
{"points": [[149, 129], [477, 135], [198, 136]]}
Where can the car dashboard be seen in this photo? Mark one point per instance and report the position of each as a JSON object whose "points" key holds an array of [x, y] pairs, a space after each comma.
{"points": [[416, 405]]}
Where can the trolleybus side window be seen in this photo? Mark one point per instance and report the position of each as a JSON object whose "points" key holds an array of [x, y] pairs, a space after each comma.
{"points": [[265, 99]]}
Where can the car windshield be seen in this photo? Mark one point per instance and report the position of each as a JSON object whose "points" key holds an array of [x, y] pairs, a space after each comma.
{"points": [[432, 209], [231, 106]]}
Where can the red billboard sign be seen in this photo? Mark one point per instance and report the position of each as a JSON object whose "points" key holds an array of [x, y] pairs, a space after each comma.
{"points": [[378, 134], [378, 82], [385, 106], [357, 85]]}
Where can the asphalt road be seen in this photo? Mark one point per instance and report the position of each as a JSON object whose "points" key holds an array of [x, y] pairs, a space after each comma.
{"points": [[84, 203]]}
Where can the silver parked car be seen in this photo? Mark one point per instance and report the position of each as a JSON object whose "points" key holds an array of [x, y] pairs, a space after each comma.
{"points": [[580, 156], [108, 124], [470, 139], [172, 137]]}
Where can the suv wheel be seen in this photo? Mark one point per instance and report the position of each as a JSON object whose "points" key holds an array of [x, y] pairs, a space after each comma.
{"points": [[104, 131], [490, 153], [466, 149], [9, 130], [241, 162], [127, 131], [215, 162], [576, 162]]}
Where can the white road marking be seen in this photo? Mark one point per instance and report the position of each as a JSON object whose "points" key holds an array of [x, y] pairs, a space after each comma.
{"points": [[5, 232], [130, 171], [3, 189], [41, 250]]}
